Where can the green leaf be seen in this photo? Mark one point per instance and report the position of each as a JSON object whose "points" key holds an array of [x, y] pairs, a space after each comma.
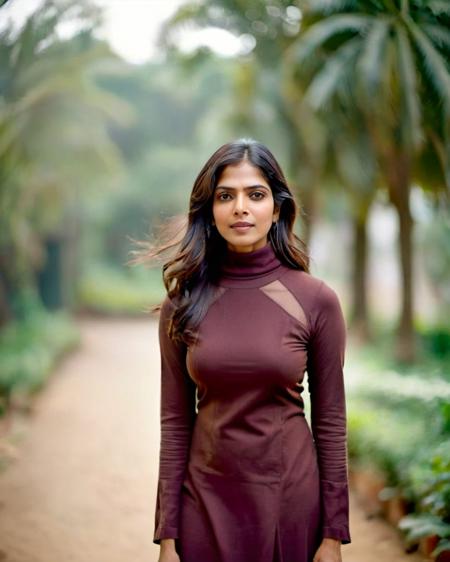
{"points": [[438, 34], [333, 74], [439, 7], [443, 544], [422, 525], [411, 124], [324, 30], [434, 62], [327, 7], [370, 64]]}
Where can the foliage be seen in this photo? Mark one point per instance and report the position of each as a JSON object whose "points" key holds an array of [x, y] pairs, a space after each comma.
{"points": [[390, 445], [54, 142], [29, 350], [433, 500], [107, 289], [436, 340], [401, 423]]}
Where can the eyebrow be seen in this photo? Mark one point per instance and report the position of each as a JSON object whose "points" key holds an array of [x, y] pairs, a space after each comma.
{"points": [[246, 188]]}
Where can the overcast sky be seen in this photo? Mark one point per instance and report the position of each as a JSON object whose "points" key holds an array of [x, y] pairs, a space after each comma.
{"points": [[131, 26]]}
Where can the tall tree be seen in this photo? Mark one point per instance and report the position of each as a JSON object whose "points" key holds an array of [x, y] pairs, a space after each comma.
{"points": [[392, 56]]}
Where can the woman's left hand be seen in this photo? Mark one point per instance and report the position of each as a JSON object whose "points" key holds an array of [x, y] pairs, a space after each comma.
{"points": [[328, 551]]}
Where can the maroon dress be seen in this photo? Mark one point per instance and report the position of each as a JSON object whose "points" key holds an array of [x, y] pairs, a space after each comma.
{"points": [[242, 476]]}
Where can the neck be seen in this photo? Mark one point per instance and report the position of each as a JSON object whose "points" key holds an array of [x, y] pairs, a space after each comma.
{"points": [[249, 268]]}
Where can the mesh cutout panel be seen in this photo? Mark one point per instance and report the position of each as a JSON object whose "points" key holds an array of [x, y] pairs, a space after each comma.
{"points": [[284, 298]]}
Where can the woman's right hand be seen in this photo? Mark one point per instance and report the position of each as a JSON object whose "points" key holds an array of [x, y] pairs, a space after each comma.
{"points": [[167, 551]]}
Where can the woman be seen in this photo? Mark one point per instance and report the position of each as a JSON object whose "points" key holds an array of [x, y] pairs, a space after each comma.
{"points": [[242, 477]]}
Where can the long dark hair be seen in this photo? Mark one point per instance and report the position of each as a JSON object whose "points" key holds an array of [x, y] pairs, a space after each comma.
{"points": [[189, 275]]}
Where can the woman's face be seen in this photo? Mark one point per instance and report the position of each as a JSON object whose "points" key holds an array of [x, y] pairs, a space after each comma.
{"points": [[243, 195]]}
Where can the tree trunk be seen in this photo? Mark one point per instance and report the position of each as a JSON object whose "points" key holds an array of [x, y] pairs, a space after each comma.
{"points": [[6, 313], [399, 192], [359, 317], [5, 309]]}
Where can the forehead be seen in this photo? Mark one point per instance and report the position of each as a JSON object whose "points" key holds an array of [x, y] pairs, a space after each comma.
{"points": [[242, 174]]}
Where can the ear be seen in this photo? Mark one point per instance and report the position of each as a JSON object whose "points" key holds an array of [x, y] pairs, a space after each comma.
{"points": [[276, 215]]}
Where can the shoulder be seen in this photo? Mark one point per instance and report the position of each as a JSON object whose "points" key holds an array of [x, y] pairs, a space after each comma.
{"points": [[304, 286], [313, 293]]}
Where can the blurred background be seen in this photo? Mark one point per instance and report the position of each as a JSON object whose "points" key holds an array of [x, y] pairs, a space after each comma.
{"points": [[108, 110]]}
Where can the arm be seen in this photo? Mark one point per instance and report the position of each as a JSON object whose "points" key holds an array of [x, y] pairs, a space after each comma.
{"points": [[177, 419], [325, 364]]}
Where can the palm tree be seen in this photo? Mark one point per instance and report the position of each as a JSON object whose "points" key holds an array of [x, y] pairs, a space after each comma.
{"points": [[391, 59], [53, 133]]}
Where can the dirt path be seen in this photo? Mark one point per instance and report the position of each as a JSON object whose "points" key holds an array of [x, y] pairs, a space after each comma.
{"points": [[83, 486]]}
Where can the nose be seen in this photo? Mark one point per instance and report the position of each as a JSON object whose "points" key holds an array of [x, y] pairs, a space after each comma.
{"points": [[239, 205]]}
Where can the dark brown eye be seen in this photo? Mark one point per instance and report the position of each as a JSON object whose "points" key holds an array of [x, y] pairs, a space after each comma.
{"points": [[262, 195]]}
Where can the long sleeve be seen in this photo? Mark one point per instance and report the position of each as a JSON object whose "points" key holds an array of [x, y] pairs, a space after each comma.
{"points": [[177, 414], [326, 351]]}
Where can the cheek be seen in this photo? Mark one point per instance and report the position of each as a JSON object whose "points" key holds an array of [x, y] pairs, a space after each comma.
{"points": [[219, 213], [264, 212]]}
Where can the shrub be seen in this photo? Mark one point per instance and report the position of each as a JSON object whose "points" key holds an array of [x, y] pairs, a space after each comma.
{"points": [[29, 348], [430, 483]]}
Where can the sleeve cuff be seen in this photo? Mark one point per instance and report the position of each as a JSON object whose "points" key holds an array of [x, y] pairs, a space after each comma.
{"points": [[165, 533], [337, 533]]}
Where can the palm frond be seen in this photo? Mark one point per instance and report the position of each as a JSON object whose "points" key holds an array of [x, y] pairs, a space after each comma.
{"points": [[434, 62], [327, 82], [371, 62], [327, 7], [408, 86], [439, 7], [438, 34], [320, 32]]}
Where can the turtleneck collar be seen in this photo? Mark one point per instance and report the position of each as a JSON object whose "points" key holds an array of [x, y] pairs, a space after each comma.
{"points": [[249, 268]]}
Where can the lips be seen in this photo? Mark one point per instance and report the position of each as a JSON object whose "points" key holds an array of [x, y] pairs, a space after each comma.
{"points": [[240, 224]]}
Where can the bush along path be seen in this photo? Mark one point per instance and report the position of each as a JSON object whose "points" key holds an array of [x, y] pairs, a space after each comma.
{"points": [[399, 446], [30, 348], [82, 484]]}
